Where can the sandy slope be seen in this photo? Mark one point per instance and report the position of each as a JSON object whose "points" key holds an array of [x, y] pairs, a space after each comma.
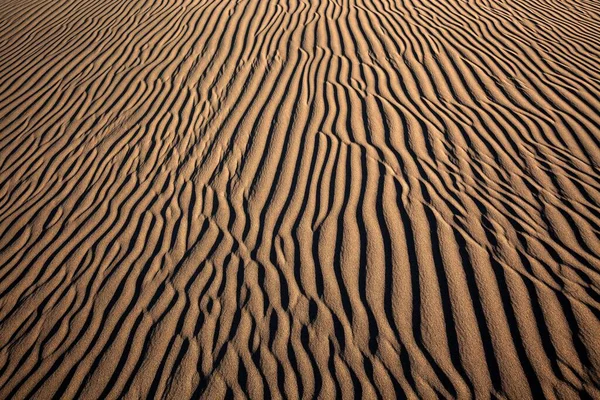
{"points": [[299, 198]]}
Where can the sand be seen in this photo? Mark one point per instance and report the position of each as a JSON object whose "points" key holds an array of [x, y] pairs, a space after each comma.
{"points": [[299, 199]]}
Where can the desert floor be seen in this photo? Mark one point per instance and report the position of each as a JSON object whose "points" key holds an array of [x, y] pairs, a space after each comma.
{"points": [[299, 199]]}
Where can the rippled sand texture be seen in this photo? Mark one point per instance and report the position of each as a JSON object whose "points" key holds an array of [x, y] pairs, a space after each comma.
{"points": [[299, 198]]}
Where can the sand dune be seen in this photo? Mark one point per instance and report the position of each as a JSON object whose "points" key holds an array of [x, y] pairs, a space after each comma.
{"points": [[299, 199]]}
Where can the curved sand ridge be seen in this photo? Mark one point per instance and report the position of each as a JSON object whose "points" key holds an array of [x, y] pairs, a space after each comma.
{"points": [[299, 198]]}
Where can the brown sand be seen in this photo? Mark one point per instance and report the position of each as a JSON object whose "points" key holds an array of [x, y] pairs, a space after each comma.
{"points": [[299, 198]]}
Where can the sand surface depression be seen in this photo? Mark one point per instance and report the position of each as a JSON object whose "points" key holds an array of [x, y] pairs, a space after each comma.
{"points": [[299, 198]]}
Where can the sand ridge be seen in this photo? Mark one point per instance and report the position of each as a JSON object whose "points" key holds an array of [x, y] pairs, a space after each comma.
{"points": [[299, 199]]}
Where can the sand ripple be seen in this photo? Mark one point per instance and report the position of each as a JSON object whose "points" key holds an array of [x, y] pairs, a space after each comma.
{"points": [[299, 198]]}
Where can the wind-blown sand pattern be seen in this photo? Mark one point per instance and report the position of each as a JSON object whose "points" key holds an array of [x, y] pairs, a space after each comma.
{"points": [[299, 198]]}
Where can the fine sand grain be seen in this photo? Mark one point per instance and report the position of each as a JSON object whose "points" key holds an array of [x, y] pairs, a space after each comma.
{"points": [[299, 199]]}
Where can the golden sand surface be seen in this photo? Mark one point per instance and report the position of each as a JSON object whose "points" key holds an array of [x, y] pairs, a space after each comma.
{"points": [[299, 199]]}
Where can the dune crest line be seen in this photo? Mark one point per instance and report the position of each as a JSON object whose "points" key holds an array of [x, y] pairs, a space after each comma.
{"points": [[300, 199]]}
